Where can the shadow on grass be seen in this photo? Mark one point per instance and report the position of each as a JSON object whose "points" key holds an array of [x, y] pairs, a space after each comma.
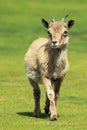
{"points": [[30, 114]]}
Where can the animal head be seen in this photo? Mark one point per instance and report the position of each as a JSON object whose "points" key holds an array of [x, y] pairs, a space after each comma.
{"points": [[58, 31]]}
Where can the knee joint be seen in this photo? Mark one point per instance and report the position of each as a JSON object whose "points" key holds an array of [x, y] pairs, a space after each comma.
{"points": [[51, 95]]}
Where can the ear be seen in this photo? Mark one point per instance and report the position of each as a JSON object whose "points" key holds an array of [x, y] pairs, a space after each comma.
{"points": [[45, 23], [70, 23]]}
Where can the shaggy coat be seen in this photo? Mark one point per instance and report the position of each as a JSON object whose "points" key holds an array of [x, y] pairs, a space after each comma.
{"points": [[46, 62], [42, 60]]}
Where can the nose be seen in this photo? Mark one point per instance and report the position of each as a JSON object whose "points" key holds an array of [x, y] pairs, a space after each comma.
{"points": [[54, 42]]}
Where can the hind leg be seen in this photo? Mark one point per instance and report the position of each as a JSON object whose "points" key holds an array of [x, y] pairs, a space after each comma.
{"points": [[36, 93], [47, 104], [57, 85]]}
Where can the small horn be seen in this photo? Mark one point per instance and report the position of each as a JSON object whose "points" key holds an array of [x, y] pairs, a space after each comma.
{"points": [[53, 20], [63, 19]]}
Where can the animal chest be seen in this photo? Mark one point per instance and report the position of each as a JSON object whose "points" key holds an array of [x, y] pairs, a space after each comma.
{"points": [[53, 64], [58, 67]]}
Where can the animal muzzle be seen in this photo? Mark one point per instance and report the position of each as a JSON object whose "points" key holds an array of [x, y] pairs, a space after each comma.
{"points": [[54, 43]]}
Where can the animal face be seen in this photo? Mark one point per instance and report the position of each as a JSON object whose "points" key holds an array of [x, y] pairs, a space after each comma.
{"points": [[58, 32]]}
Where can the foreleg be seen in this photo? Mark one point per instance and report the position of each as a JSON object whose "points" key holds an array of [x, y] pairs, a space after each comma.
{"points": [[51, 97]]}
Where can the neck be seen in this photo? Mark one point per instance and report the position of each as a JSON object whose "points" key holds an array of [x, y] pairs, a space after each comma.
{"points": [[59, 49]]}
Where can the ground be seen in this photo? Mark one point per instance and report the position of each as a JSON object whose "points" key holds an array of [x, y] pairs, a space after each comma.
{"points": [[20, 24]]}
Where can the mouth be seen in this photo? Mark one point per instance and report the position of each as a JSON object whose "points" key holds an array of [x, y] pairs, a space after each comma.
{"points": [[53, 46], [58, 47]]}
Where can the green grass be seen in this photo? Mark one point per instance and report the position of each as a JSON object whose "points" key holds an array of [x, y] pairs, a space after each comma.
{"points": [[20, 24]]}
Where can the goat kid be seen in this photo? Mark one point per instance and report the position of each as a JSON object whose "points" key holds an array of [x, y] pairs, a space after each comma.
{"points": [[46, 61]]}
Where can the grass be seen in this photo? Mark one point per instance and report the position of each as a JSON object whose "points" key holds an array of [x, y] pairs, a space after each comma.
{"points": [[20, 24]]}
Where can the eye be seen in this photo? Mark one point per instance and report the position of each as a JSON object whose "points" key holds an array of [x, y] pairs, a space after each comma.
{"points": [[65, 33]]}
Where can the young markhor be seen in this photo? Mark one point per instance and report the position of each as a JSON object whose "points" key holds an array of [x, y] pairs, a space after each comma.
{"points": [[46, 62]]}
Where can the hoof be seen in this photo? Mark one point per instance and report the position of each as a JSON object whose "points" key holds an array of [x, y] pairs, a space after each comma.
{"points": [[53, 118], [37, 113]]}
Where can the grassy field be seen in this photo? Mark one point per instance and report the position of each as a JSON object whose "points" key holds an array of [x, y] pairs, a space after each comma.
{"points": [[20, 24]]}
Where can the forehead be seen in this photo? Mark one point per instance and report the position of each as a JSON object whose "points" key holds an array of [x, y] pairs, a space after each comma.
{"points": [[56, 26]]}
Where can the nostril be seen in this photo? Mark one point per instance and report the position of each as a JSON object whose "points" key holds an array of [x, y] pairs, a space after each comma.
{"points": [[54, 42]]}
